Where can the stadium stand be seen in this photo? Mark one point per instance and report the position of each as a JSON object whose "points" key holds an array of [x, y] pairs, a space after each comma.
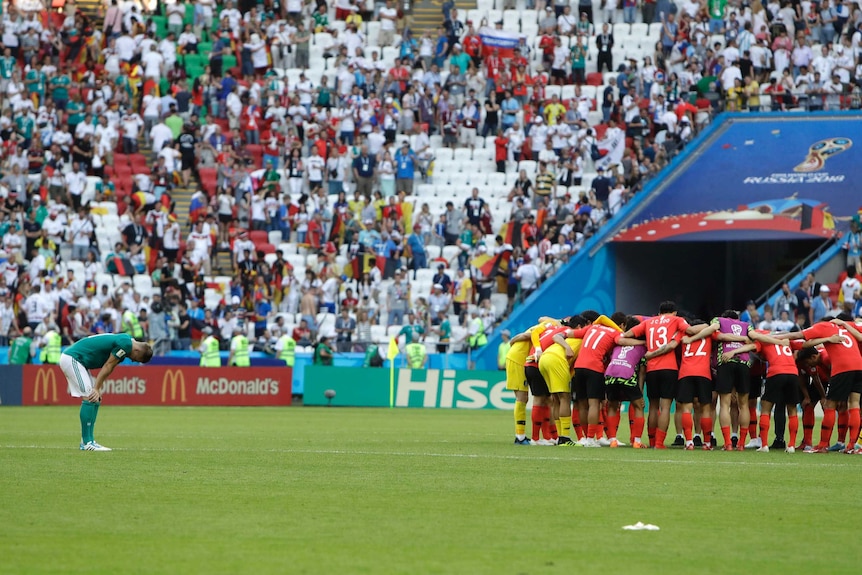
{"points": [[266, 165]]}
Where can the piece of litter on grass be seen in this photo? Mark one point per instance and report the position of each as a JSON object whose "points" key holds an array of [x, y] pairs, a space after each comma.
{"points": [[639, 526]]}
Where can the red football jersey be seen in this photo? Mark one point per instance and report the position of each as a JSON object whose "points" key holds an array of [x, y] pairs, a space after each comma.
{"points": [[697, 359], [546, 340], [845, 355], [598, 342], [658, 331], [779, 359]]}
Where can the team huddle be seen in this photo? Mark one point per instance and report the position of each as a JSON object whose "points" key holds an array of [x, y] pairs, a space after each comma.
{"points": [[581, 369]]}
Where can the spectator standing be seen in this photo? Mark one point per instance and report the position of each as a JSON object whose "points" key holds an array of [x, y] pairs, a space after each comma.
{"points": [[345, 326]]}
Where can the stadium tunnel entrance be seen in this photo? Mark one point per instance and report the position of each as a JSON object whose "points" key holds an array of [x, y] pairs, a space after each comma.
{"points": [[703, 278]]}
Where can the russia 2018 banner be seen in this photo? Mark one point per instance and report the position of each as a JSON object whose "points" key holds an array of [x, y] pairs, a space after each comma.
{"points": [[504, 41]]}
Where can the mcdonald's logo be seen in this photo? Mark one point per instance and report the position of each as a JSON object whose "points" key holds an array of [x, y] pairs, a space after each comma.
{"points": [[45, 377], [174, 378]]}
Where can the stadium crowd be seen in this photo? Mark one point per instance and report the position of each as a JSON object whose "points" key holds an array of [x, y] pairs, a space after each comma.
{"points": [[345, 175]]}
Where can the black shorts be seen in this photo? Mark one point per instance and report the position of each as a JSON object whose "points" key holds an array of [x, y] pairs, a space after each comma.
{"points": [[588, 384], [557, 73], [537, 384], [814, 391], [619, 392], [694, 386], [225, 218], [733, 375], [661, 384], [782, 388], [843, 384], [756, 386]]}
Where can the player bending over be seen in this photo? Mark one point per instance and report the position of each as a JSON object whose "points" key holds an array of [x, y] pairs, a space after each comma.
{"points": [[103, 352]]}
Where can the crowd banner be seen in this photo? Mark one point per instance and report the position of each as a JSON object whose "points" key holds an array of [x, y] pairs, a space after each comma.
{"points": [[166, 385], [446, 388]]}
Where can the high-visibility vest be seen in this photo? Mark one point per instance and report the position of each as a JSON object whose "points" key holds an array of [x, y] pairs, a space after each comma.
{"points": [[210, 356], [239, 345], [288, 350], [415, 355], [51, 351], [19, 353], [502, 352], [479, 339], [132, 326]]}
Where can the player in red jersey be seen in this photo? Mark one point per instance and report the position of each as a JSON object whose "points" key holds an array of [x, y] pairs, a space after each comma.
{"points": [[695, 381], [815, 369], [782, 383], [841, 340], [662, 334], [589, 381]]}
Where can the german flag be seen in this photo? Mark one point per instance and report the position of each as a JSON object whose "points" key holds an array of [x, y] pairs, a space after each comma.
{"points": [[336, 234], [361, 264], [490, 266]]}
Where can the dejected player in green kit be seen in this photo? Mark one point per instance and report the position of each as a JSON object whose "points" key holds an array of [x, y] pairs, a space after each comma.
{"points": [[103, 352]]}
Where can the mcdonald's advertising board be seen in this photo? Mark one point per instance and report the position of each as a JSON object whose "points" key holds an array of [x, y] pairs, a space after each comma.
{"points": [[166, 385], [447, 388]]}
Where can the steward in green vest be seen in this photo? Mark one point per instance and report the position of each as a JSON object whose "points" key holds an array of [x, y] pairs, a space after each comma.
{"points": [[21, 351], [416, 354], [476, 330], [132, 326], [503, 349], [286, 349], [51, 351], [209, 350], [238, 350]]}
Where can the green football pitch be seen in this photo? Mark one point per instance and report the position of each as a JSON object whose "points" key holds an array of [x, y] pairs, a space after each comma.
{"points": [[343, 491]]}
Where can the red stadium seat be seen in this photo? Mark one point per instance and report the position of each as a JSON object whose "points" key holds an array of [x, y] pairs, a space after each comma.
{"points": [[266, 248], [595, 79], [259, 237]]}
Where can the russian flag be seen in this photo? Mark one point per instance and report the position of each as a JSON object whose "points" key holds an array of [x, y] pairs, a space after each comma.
{"points": [[503, 40], [197, 207]]}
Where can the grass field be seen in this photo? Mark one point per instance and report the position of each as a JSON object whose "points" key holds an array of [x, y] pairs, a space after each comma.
{"points": [[343, 491]]}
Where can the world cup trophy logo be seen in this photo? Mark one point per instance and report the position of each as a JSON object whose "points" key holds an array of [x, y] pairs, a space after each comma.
{"points": [[821, 151]]}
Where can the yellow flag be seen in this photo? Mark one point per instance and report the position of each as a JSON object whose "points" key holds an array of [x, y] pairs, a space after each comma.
{"points": [[392, 353]]}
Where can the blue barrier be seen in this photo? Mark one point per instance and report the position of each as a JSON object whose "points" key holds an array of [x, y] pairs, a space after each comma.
{"points": [[10, 384]]}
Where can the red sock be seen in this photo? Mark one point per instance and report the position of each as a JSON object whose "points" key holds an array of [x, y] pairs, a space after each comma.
{"points": [[807, 424], [613, 422], [576, 423], [660, 436], [554, 432], [752, 421], [593, 430], [637, 428], [843, 420], [706, 428], [651, 434], [793, 427], [603, 421], [546, 422], [764, 428], [826, 427], [725, 433], [743, 436], [854, 424], [537, 417], [687, 426]]}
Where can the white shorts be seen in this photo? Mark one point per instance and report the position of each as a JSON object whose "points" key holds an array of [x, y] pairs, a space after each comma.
{"points": [[80, 381]]}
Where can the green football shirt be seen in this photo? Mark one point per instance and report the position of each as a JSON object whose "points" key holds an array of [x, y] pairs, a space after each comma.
{"points": [[94, 351]]}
